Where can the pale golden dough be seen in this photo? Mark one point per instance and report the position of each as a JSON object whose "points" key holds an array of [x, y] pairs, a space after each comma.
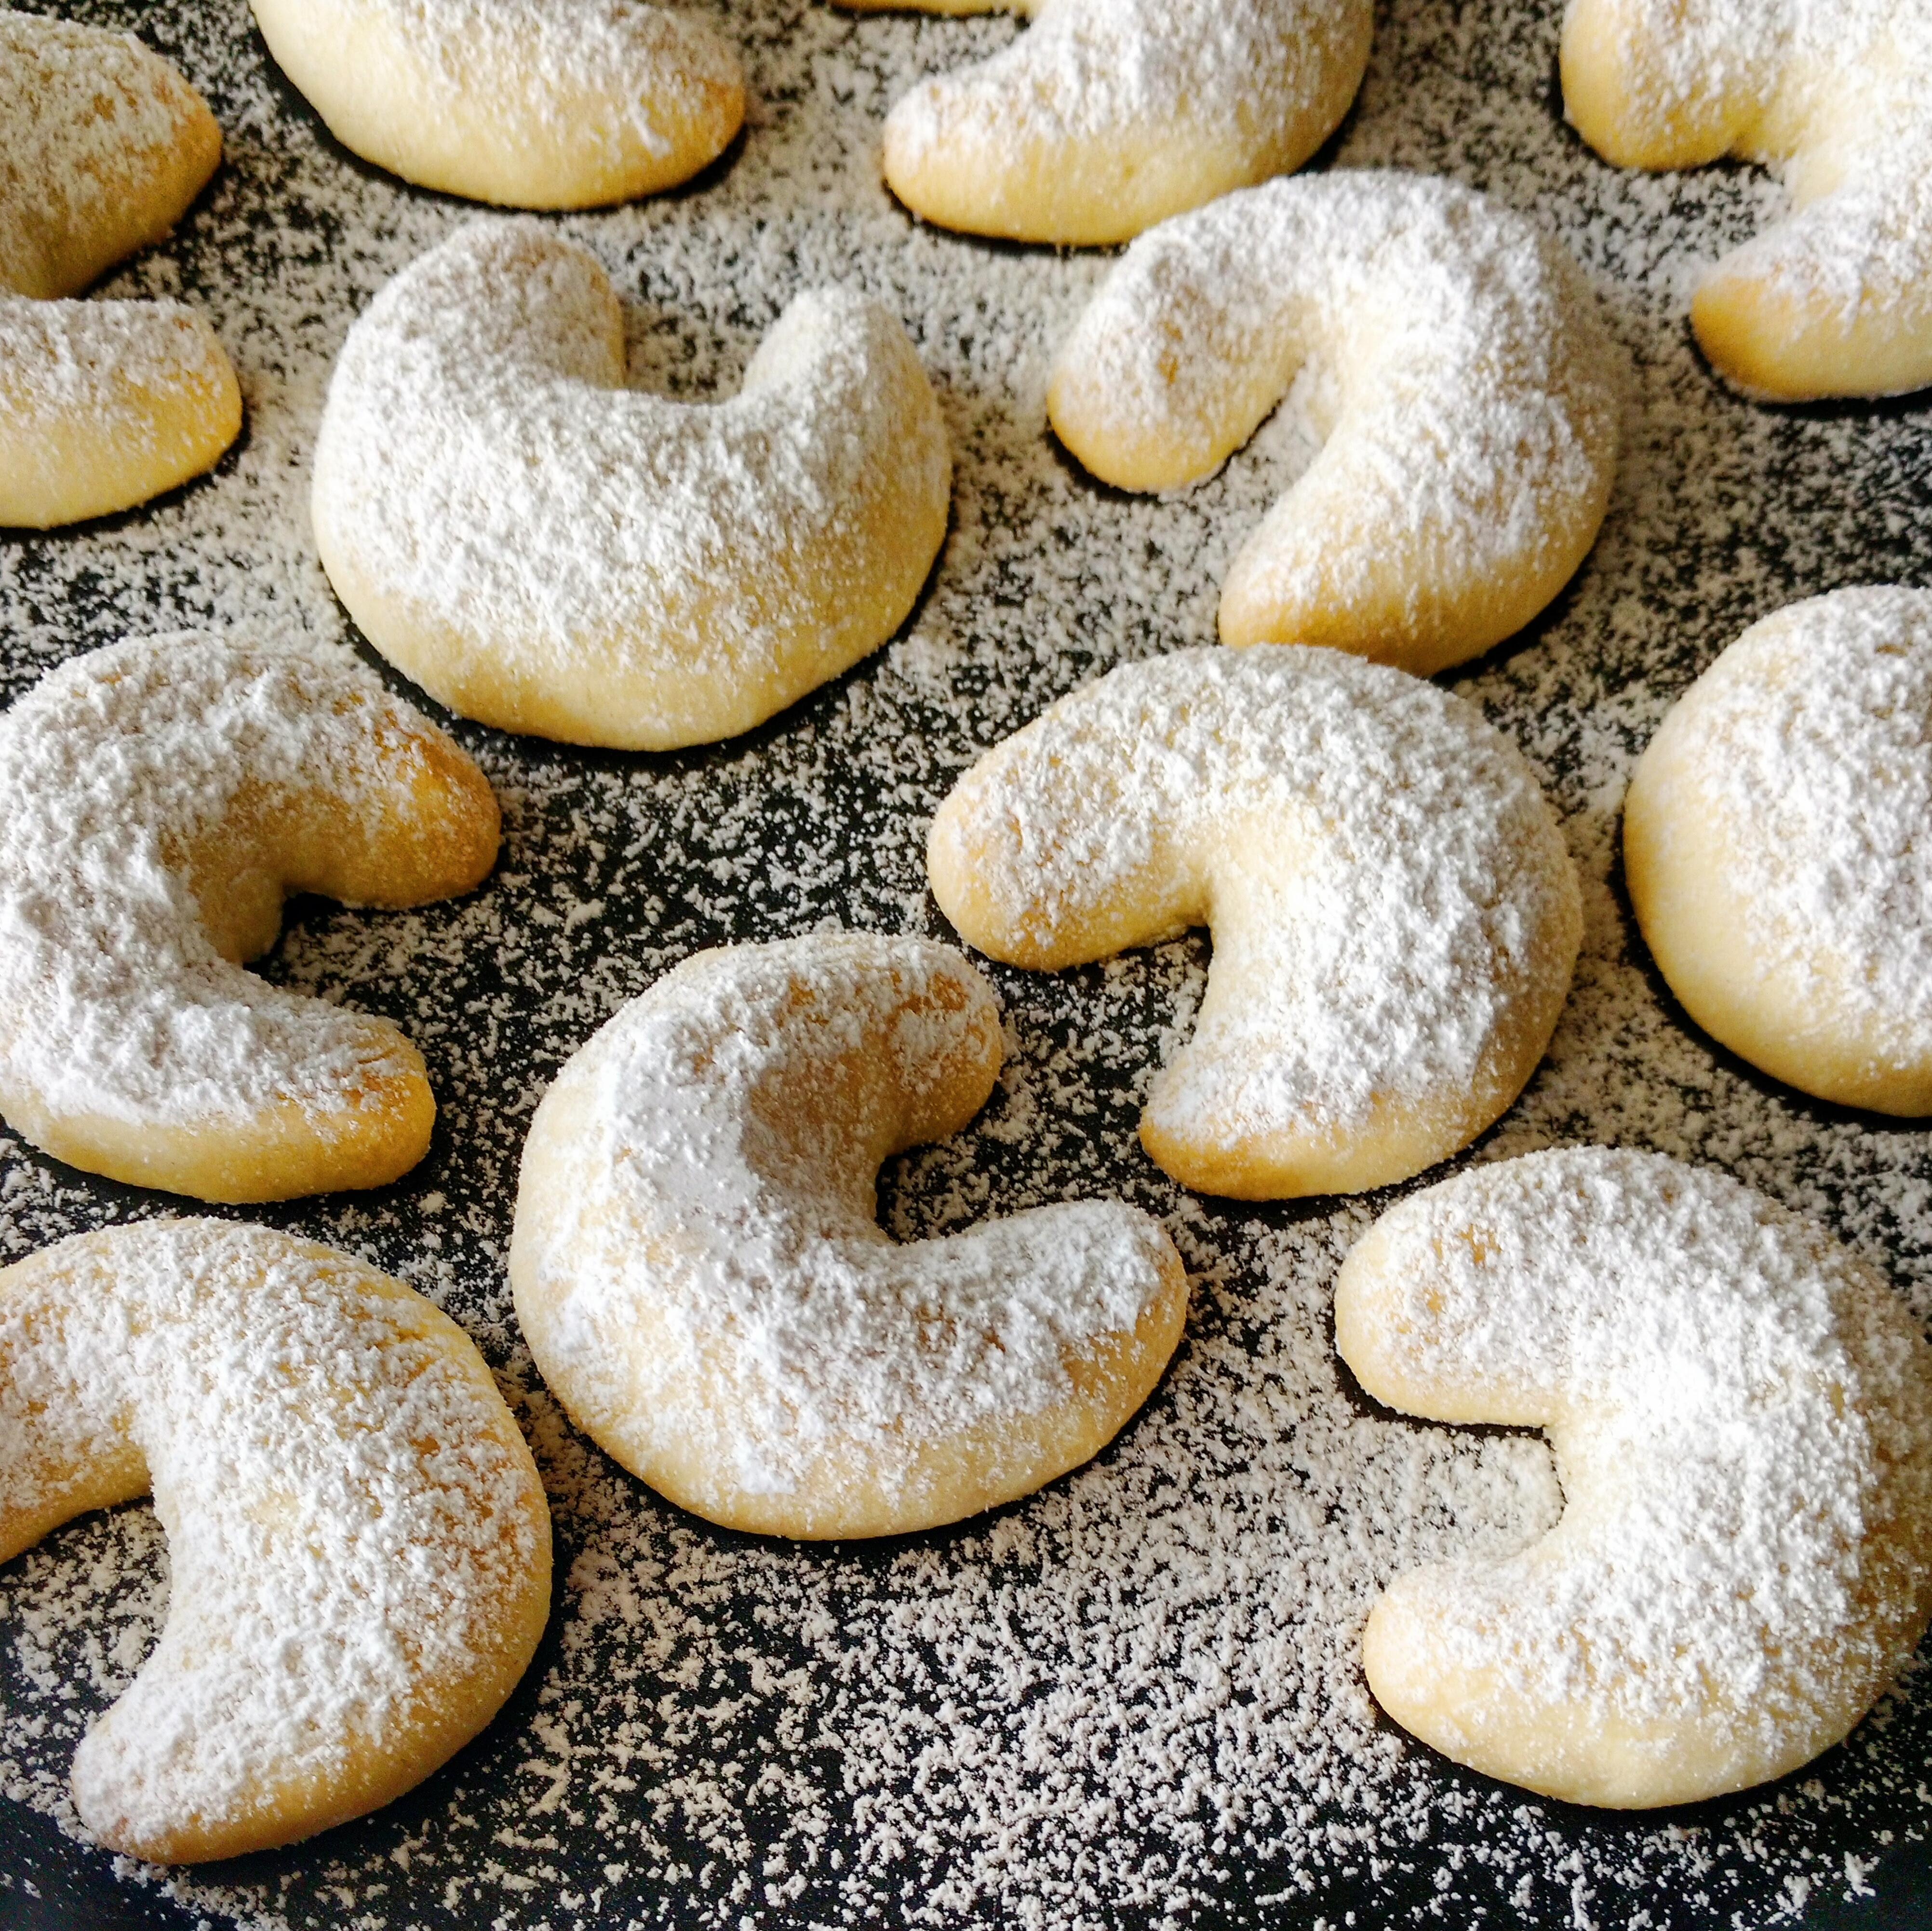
{"points": [[1741, 1417], [545, 549], [158, 800], [1453, 355], [1108, 115], [1836, 299], [701, 1278], [528, 103], [1395, 915], [104, 405], [359, 1548], [1777, 842]]}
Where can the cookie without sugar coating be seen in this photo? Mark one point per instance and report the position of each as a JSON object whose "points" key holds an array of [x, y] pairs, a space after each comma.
{"points": [[103, 405], [1836, 299], [1108, 115], [1741, 1416], [544, 550], [1777, 842], [358, 1546], [528, 103], [1395, 915], [701, 1278], [158, 801], [1453, 356]]}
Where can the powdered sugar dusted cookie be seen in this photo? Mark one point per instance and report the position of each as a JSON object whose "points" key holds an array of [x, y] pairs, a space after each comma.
{"points": [[1395, 915], [158, 799], [1742, 1415], [548, 551], [529, 103], [358, 1547], [103, 405], [1107, 115], [1471, 395], [1777, 841], [701, 1278], [1837, 299]]}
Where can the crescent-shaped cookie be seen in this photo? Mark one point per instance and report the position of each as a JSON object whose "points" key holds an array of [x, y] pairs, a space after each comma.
{"points": [[103, 405], [528, 103], [1835, 299], [1455, 357], [700, 1279], [1395, 916], [158, 800], [1777, 843], [1108, 115], [1742, 1415], [358, 1546], [547, 551]]}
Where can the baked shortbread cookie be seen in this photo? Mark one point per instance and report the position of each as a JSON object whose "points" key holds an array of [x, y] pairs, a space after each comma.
{"points": [[529, 103], [1836, 299], [1108, 115], [358, 1546], [1777, 842], [1742, 1415], [158, 800], [1453, 355], [699, 1277], [103, 405], [547, 551], [1395, 915]]}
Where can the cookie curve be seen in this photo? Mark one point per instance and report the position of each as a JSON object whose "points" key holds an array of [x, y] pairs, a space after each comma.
{"points": [[163, 796], [160, 1775], [1471, 395], [754, 547], [697, 1274], [1622, 1706], [655, 101], [103, 405], [1168, 794], [959, 151], [1835, 299]]}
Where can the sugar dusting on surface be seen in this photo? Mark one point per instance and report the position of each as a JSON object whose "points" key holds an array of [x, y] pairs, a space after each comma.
{"points": [[116, 1002], [1138, 1694], [337, 1560], [1746, 1415], [1396, 877], [721, 1202], [1807, 746]]}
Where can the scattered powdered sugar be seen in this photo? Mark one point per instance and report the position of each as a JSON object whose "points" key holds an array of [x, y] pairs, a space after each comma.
{"points": [[1136, 70], [347, 1522], [1743, 1420], [1807, 744], [111, 773], [1386, 882], [482, 464], [715, 1275], [1136, 1696]]}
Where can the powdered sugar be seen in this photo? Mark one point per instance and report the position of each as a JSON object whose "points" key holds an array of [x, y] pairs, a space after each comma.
{"points": [[348, 1523]]}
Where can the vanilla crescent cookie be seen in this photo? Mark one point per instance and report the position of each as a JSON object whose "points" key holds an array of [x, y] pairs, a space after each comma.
{"points": [[358, 1546], [103, 405], [158, 800], [529, 103], [1742, 1415], [1395, 916], [1777, 844], [1455, 359], [1836, 299], [1108, 115], [548, 551], [699, 1277]]}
